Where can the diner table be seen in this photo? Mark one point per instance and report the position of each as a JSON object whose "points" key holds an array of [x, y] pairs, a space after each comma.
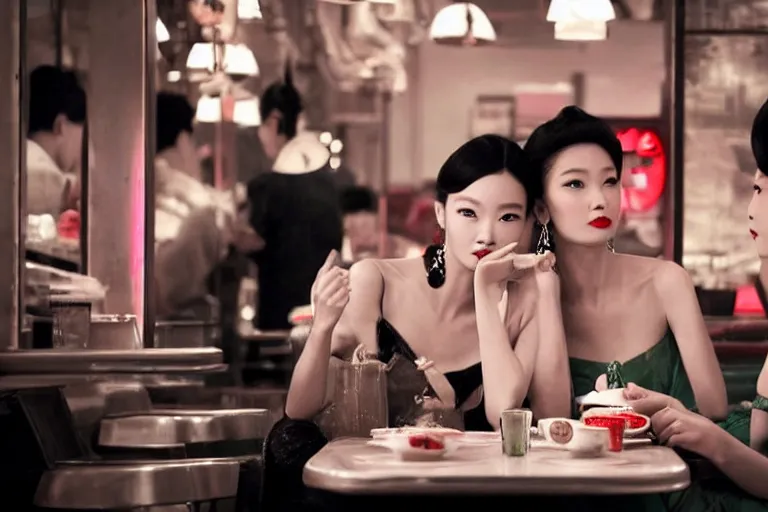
{"points": [[354, 467]]}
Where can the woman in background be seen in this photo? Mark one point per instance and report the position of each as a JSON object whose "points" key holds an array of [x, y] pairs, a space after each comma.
{"points": [[295, 210]]}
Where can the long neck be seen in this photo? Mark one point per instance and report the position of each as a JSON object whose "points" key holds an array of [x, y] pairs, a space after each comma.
{"points": [[457, 294], [584, 269]]}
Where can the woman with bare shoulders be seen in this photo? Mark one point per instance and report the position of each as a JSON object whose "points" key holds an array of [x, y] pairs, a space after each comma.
{"points": [[635, 314], [642, 312], [466, 338], [738, 446]]}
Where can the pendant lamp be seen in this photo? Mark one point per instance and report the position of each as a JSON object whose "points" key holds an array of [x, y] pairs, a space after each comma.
{"points": [[244, 113], [462, 24], [161, 33], [249, 10], [581, 20], [238, 59], [589, 10]]}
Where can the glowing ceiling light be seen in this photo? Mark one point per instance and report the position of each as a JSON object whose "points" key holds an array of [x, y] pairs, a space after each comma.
{"points": [[238, 59], [249, 10], [336, 146], [462, 24], [245, 113], [587, 10], [161, 33]]}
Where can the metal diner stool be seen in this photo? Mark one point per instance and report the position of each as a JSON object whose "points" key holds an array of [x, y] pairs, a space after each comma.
{"points": [[44, 461], [228, 434], [145, 485]]}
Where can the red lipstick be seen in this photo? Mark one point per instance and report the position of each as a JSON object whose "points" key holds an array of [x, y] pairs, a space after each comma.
{"points": [[601, 223], [482, 253], [753, 233]]}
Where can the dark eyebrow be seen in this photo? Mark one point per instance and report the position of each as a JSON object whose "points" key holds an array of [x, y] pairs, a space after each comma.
{"points": [[577, 170], [468, 199], [504, 206]]}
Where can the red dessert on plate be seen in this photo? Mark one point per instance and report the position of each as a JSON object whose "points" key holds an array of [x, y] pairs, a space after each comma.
{"points": [[615, 425], [426, 442]]}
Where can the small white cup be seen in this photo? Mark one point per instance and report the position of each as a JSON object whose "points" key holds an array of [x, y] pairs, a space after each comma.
{"points": [[575, 436]]}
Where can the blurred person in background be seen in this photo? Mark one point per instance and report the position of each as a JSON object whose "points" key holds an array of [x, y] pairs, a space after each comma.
{"points": [[57, 114], [360, 207], [194, 223], [420, 222], [294, 208], [277, 107]]}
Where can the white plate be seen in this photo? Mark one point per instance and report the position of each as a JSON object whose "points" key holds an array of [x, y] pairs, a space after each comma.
{"points": [[607, 398], [399, 445], [380, 433], [608, 411]]}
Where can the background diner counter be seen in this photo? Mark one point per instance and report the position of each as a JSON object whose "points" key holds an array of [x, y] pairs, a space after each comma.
{"points": [[741, 344]]}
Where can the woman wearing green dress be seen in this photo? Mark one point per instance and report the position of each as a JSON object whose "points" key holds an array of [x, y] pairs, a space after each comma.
{"points": [[641, 312], [638, 315], [737, 446]]}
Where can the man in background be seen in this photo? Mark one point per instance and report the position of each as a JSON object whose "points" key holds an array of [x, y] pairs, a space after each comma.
{"points": [[294, 207], [360, 208], [57, 114]]}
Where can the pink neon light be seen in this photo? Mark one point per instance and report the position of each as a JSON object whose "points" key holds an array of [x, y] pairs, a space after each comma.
{"points": [[136, 229]]}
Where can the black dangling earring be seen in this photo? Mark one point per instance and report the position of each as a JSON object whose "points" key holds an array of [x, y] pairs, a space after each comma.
{"points": [[434, 263], [545, 242]]}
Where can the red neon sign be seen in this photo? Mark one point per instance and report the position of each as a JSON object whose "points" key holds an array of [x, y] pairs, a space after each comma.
{"points": [[649, 172]]}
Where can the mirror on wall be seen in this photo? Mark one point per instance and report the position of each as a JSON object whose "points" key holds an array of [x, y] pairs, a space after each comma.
{"points": [[58, 156]]}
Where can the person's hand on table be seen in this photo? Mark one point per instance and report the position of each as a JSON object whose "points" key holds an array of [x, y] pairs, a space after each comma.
{"points": [[645, 401], [684, 429]]}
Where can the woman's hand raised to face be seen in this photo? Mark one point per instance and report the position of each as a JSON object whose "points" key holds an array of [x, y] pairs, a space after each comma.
{"points": [[330, 292], [505, 265]]}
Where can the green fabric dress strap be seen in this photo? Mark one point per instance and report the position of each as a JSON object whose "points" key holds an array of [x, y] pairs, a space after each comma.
{"points": [[760, 402]]}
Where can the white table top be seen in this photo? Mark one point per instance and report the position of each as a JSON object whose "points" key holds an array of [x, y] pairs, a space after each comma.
{"points": [[351, 466]]}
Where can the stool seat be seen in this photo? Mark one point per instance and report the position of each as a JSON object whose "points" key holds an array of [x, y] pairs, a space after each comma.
{"points": [[119, 485], [170, 427]]}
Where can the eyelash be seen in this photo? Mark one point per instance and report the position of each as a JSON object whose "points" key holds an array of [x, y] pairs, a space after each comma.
{"points": [[470, 214], [611, 182]]}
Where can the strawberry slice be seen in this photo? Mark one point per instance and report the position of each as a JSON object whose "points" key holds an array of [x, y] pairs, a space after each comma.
{"points": [[425, 442]]}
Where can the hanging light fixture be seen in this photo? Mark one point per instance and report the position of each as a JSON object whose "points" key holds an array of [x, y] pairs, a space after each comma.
{"points": [[245, 112], [238, 59], [249, 10], [161, 33], [462, 24], [591, 10], [581, 20]]}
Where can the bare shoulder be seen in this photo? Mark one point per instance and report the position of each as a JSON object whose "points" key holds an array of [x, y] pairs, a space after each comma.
{"points": [[671, 279], [389, 269], [665, 275], [365, 273]]}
